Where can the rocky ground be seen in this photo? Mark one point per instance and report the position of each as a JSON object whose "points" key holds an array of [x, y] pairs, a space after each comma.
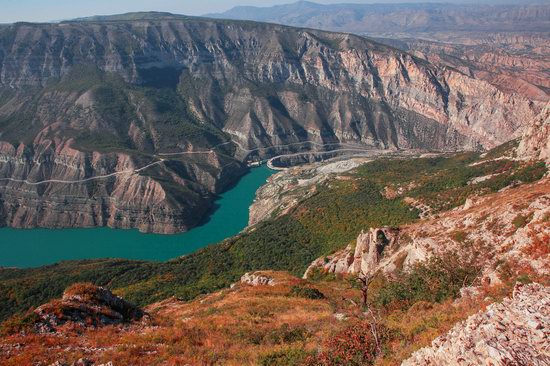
{"points": [[513, 332], [85, 305], [256, 316], [270, 315]]}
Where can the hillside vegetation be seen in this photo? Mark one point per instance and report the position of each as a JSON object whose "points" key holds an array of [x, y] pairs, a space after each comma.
{"points": [[318, 226]]}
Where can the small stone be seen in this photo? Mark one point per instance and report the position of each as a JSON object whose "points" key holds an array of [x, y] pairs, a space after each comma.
{"points": [[340, 316]]}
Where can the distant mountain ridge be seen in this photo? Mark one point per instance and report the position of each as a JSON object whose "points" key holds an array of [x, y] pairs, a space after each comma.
{"points": [[405, 17], [151, 15], [504, 44]]}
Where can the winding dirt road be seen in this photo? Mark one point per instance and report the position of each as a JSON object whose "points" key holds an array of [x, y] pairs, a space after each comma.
{"points": [[161, 160]]}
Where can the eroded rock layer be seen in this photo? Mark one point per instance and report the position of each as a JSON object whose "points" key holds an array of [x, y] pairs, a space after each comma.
{"points": [[140, 120]]}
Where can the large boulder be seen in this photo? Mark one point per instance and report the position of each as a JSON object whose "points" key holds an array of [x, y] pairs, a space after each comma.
{"points": [[257, 279]]}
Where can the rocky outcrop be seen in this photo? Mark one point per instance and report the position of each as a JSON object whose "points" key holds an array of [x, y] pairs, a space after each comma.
{"points": [[514, 332], [257, 279], [365, 258], [369, 249], [509, 227], [535, 143], [85, 305]]}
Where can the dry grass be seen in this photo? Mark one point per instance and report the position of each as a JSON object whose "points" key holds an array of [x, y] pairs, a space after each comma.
{"points": [[243, 325], [230, 327]]}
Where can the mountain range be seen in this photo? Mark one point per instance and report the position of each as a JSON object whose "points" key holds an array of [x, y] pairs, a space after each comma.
{"points": [[140, 120], [504, 44], [400, 18]]}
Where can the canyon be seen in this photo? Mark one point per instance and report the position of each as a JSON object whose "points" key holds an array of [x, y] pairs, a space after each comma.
{"points": [[500, 229], [141, 120], [429, 245]]}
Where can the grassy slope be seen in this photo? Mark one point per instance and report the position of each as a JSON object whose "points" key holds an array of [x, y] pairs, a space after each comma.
{"points": [[323, 223]]}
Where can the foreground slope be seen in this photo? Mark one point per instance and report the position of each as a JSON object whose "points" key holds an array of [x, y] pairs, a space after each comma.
{"points": [[513, 332], [139, 120], [272, 318], [470, 225]]}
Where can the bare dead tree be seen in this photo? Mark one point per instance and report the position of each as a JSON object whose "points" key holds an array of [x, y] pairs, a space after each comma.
{"points": [[374, 323], [365, 281], [372, 315]]}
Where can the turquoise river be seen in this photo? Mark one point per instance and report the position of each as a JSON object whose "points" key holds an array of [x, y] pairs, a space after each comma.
{"points": [[36, 247]]}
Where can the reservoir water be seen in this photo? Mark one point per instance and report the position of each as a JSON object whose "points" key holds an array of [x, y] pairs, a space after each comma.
{"points": [[36, 247]]}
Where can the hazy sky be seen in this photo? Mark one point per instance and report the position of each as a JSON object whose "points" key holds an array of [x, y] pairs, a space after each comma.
{"points": [[47, 10]]}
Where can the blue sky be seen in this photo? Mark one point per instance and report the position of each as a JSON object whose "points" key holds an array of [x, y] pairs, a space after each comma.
{"points": [[47, 10]]}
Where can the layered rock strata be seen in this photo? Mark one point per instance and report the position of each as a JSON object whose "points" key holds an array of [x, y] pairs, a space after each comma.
{"points": [[535, 143], [138, 121]]}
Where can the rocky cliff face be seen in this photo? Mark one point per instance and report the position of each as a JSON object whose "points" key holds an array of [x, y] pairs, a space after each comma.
{"points": [[535, 143], [63, 187], [513, 332], [514, 62], [88, 151], [506, 45], [267, 85], [128, 121]]}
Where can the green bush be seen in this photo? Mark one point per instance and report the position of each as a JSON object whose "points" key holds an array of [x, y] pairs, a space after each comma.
{"points": [[288, 357], [19, 323], [436, 280], [285, 334], [306, 292], [521, 220], [353, 346]]}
